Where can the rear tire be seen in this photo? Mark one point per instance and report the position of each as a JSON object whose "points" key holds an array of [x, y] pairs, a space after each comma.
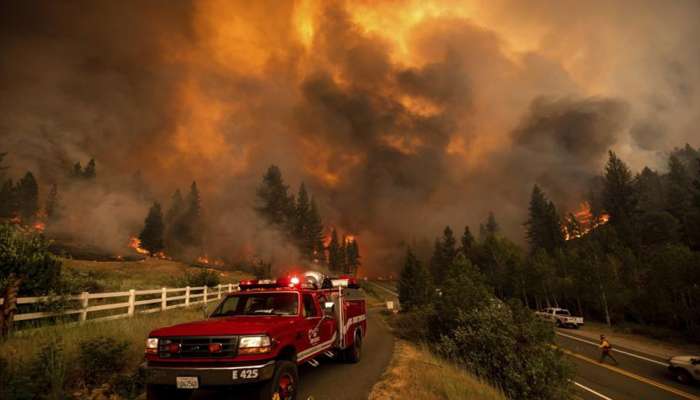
{"points": [[284, 383], [157, 392], [353, 353]]}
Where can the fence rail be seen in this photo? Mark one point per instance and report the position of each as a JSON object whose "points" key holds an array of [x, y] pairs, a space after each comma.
{"points": [[131, 301]]}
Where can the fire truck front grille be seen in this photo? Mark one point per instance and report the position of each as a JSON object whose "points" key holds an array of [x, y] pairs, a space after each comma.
{"points": [[197, 347]]}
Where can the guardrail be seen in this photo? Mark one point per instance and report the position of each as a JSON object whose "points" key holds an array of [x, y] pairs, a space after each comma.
{"points": [[135, 301]]}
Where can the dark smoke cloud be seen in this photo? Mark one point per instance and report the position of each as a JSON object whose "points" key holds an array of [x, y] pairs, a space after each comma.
{"points": [[398, 129]]}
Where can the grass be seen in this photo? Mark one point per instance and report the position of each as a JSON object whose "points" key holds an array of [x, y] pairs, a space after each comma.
{"points": [[146, 274], [23, 346], [415, 370], [62, 368]]}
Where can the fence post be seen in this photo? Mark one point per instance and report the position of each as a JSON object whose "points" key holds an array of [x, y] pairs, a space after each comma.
{"points": [[204, 298], [218, 294], [84, 301], [164, 299], [230, 288], [187, 296], [132, 301]]}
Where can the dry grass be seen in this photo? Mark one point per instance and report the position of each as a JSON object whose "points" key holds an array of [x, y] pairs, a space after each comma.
{"points": [[22, 347], [147, 274], [417, 374]]}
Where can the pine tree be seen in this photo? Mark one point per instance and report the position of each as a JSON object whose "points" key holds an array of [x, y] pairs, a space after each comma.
{"points": [[467, 243], [445, 251], [152, 234], [274, 203], [414, 284], [53, 204], [543, 228], [177, 204], [90, 171], [77, 170], [314, 233], [343, 267], [2, 167], [193, 217], [301, 224], [28, 195], [353, 257], [679, 196], [619, 196], [9, 204], [334, 253], [175, 227], [491, 226]]}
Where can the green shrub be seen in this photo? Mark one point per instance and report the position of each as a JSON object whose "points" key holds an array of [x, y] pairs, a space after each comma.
{"points": [[129, 386], [205, 277], [414, 325], [48, 371], [508, 346], [100, 357], [27, 256], [14, 384]]}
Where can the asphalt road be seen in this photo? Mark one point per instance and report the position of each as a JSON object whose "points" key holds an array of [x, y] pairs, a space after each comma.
{"points": [[638, 376], [334, 380]]}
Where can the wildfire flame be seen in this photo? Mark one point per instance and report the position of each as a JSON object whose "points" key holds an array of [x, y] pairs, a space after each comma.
{"points": [[135, 243], [349, 239], [584, 222], [39, 226], [206, 261]]}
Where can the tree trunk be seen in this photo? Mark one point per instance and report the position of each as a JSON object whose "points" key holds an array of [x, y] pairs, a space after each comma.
{"points": [[9, 306]]}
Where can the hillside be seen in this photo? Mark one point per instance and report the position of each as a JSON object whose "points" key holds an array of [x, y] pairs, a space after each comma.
{"points": [[144, 274]]}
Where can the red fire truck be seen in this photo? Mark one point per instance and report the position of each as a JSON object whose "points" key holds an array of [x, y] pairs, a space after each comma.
{"points": [[258, 336]]}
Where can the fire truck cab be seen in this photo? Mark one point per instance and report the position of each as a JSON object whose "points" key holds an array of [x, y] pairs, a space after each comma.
{"points": [[258, 336]]}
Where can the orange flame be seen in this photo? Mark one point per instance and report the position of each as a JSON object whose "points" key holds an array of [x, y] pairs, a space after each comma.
{"points": [[135, 243], [586, 222], [39, 226]]}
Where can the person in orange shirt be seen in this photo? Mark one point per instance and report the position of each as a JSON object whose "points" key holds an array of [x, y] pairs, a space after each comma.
{"points": [[605, 350]]}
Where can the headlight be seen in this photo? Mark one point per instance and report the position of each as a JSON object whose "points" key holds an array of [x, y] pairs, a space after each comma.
{"points": [[254, 344], [152, 345]]}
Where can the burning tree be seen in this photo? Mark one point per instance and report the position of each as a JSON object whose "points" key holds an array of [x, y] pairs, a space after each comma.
{"points": [[151, 237]]}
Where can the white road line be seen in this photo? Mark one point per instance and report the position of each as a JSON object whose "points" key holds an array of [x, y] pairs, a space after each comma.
{"points": [[615, 350], [586, 388], [383, 288]]}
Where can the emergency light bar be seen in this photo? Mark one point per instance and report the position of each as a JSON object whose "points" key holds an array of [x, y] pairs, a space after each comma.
{"points": [[283, 282]]}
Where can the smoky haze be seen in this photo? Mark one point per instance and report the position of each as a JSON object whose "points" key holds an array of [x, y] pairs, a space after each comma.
{"points": [[400, 116]]}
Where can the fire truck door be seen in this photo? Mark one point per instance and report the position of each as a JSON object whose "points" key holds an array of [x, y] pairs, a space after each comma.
{"points": [[312, 322], [329, 324]]}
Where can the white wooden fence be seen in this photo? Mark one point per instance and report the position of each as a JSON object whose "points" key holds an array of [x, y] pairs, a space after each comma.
{"points": [[132, 305]]}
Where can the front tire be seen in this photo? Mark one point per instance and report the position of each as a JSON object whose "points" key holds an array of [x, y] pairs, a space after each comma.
{"points": [[284, 383], [157, 392]]}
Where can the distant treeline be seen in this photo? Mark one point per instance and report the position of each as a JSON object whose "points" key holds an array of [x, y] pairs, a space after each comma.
{"points": [[642, 266]]}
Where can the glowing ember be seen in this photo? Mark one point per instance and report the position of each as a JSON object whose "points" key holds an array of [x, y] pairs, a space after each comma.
{"points": [[582, 222], [39, 226], [349, 239], [135, 243]]}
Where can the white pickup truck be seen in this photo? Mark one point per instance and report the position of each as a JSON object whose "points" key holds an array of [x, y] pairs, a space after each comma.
{"points": [[561, 317]]}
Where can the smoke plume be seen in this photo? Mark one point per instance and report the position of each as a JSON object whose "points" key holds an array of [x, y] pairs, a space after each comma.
{"points": [[400, 116]]}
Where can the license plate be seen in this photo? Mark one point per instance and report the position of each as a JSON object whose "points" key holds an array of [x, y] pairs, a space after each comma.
{"points": [[187, 382], [239, 374]]}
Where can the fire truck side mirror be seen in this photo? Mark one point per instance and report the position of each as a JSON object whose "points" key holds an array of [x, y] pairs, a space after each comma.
{"points": [[329, 309]]}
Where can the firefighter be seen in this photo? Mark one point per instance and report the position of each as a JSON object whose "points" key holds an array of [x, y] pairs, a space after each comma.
{"points": [[605, 350]]}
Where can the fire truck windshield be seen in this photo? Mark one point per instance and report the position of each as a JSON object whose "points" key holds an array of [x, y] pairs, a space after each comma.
{"points": [[258, 304]]}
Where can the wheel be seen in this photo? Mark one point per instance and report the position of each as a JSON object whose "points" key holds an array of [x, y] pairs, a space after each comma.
{"points": [[156, 392], [353, 353], [559, 324], [283, 385], [682, 376]]}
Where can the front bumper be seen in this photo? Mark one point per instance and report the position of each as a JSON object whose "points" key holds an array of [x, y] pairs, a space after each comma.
{"points": [[211, 376]]}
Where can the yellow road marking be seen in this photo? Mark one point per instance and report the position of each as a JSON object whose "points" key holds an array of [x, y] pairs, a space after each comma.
{"points": [[634, 376]]}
